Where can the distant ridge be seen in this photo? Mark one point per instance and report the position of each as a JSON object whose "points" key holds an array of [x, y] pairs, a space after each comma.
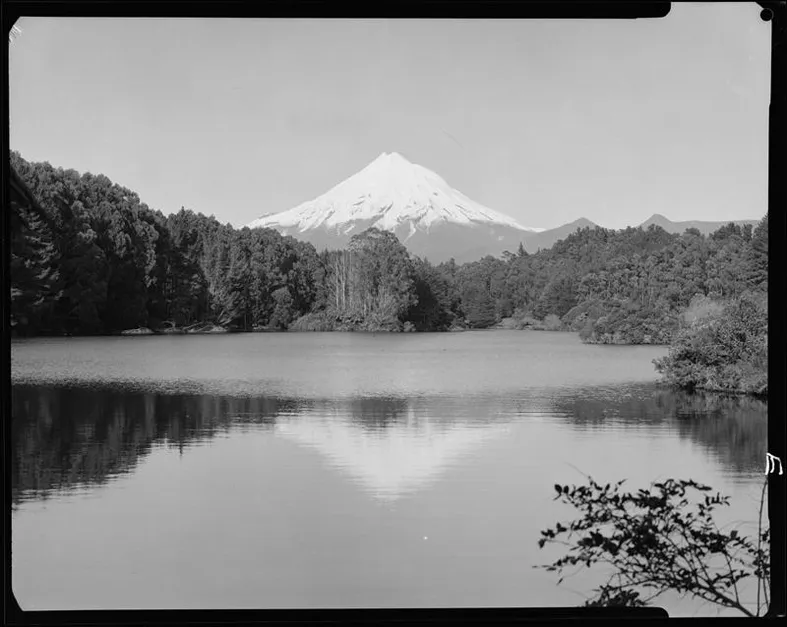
{"points": [[704, 227], [532, 242]]}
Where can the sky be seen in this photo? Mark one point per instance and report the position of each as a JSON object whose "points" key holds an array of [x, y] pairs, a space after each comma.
{"points": [[544, 120]]}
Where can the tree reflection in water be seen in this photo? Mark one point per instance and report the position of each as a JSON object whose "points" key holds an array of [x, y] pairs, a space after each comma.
{"points": [[70, 437], [733, 428]]}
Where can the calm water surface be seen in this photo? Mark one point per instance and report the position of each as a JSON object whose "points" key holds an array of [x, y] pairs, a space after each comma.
{"points": [[339, 470]]}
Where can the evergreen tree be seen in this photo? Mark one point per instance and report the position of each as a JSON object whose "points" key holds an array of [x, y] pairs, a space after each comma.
{"points": [[757, 257]]}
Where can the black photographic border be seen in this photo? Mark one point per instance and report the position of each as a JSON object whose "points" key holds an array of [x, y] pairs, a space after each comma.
{"points": [[774, 12]]}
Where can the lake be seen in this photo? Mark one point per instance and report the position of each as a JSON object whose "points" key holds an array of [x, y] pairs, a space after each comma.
{"points": [[323, 470]]}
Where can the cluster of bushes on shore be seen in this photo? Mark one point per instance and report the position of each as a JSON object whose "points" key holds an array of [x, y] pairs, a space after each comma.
{"points": [[619, 322], [721, 346], [525, 320], [330, 320], [194, 329]]}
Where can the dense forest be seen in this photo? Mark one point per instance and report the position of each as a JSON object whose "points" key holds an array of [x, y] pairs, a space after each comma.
{"points": [[93, 258]]}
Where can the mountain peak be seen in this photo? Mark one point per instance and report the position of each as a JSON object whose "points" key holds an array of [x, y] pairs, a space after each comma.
{"points": [[390, 163], [582, 222], [393, 157]]}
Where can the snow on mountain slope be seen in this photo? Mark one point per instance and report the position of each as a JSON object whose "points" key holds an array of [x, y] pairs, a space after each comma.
{"points": [[391, 194]]}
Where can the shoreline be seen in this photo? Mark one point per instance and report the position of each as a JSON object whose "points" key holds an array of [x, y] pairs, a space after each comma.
{"points": [[203, 330], [216, 330], [219, 330]]}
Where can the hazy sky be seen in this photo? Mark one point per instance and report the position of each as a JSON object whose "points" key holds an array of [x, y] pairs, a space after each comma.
{"points": [[547, 121]]}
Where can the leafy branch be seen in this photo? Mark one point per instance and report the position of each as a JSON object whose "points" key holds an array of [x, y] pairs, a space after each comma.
{"points": [[658, 540]]}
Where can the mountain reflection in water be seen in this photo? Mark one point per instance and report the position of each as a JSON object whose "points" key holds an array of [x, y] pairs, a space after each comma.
{"points": [[77, 437]]}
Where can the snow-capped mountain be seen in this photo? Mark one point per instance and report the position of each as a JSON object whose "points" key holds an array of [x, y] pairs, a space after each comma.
{"points": [[427, 215]]}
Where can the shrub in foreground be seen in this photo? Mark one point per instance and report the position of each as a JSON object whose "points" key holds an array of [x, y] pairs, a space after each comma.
{"points": [[659, 540]]}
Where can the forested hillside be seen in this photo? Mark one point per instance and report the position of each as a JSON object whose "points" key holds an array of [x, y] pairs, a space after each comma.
{"points": [[96, 259]]}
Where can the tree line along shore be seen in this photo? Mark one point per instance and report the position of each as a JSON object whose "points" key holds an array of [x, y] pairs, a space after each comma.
{"points": [[90, 258]]}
